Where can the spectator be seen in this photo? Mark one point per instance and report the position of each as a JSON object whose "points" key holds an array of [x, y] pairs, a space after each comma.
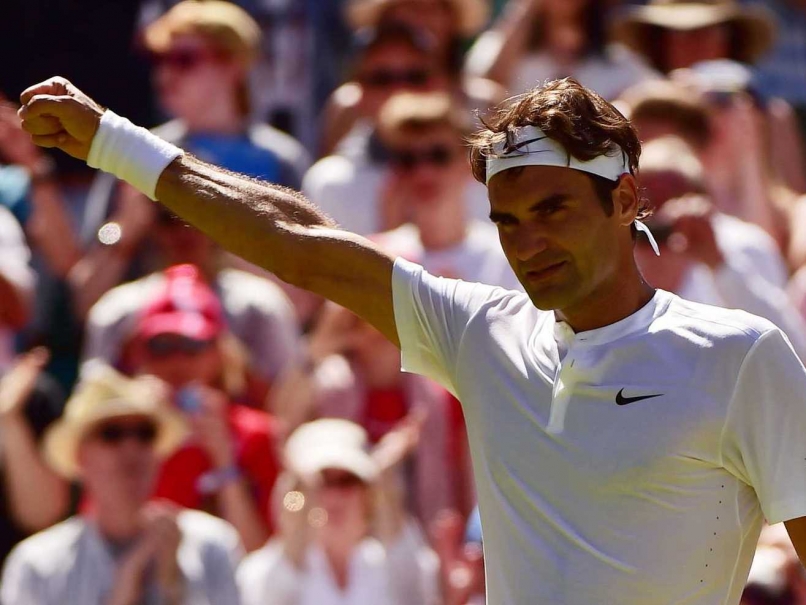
{"points": [[706, 256], [16, 283], [257, 311], [450, 23], [351, 187], [327, 552], [387, 59], [34, 497], [461, 558], [124, 550], [202, 54], [540, 40], [428, 190], [352, 372], [731, 143], [673, 34], [228, 466]]}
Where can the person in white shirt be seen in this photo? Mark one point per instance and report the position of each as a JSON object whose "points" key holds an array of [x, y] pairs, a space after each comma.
{"points": [[427, 189], [708, 256], [344, 536], [627, 444], [122, 549]]}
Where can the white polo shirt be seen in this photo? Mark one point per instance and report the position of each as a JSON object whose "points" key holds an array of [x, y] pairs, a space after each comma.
{"points": [[637, 470]]}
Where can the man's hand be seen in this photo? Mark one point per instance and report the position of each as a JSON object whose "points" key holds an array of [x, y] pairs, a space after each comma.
{"points": [[211, 427], [57, 114], [691, 216]]}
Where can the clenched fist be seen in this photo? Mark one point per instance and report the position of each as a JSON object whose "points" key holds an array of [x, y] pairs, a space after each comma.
{"points": [[57, 114]]}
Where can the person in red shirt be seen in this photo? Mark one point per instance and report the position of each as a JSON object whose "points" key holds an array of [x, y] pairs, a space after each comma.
{"points": [[228, 466]]}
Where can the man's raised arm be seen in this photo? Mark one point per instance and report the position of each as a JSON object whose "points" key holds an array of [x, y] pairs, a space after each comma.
{"points": [[271, 226]]}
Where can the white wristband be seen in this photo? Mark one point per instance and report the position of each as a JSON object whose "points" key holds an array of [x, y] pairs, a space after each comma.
{"points": [[131, 153]]}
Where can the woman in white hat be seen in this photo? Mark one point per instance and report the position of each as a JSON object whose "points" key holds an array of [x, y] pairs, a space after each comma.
{"points": [[538, 40], [121, 549], [344, 536]]}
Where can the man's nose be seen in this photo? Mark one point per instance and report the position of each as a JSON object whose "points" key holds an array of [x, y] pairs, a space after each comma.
{"points": [[529, 242]]}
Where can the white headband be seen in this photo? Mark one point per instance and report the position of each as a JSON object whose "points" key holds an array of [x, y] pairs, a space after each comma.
{"points": [[531, 147]]}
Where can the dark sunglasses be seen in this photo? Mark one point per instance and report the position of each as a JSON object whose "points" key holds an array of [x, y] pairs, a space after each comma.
{"points": [[382, 78], [409, 159], [182, 60], [171, 344], [115, 433]]}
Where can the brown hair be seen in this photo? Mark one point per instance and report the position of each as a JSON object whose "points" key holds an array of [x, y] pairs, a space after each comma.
{"points": [[423, 112], [674, 105], [584, 123]]}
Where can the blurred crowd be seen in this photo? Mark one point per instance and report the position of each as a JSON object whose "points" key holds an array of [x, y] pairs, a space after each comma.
{"points": [[178, 426]]}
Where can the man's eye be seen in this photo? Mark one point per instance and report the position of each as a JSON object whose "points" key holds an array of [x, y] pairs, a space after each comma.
{"points": [[549, 209]]}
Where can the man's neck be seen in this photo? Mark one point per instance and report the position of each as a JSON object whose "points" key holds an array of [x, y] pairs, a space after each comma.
{"points": [[120, 524], [221, 117], [610, 303], [443, 226]]}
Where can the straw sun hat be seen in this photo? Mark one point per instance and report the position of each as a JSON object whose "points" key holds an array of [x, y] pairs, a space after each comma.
{"points": [[105, 394], [753, 26], [472, 15]]}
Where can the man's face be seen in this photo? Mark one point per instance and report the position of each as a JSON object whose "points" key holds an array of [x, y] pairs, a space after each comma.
{"points": [[179, 360], [191, 74], [432, 164], [117, 460], [391, 68], [555, 233]]}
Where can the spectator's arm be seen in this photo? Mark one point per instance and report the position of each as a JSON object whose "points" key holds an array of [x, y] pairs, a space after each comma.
{"points": [[787, 148], [497, 51], [237, 506], [37, 496], [105, 264], [14, 310], [796, 528]]}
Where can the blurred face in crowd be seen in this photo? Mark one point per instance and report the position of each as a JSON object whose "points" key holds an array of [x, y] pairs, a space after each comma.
{"points": [[667, 270], [117, 461], [433, 165], [192, 74], [685, 48], [180, 243], [559, 240], [437, 17], [345, 502], [179, 360], [565, 8], [391, 68]]}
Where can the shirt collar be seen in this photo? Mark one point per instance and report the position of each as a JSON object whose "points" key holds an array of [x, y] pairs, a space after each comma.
{"points": [[640, 320]]}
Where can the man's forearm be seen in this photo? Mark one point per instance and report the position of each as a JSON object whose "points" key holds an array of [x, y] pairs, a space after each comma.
{"points": [[255, 220]]}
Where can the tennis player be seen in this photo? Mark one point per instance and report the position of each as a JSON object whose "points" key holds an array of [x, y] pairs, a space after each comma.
{"points": [[627, 444]]}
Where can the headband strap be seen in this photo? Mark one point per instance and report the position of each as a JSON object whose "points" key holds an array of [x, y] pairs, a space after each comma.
{"points": [[531, 147]]}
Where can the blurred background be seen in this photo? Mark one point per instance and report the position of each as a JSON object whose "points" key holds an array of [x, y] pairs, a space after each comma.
{"points": [[345, 480]]}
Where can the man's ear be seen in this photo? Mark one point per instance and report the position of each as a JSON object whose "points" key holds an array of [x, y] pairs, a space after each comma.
{"points": [[626, 199]]}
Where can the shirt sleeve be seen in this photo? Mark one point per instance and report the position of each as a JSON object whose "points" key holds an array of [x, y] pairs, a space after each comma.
{"points": [[763, 441], [431, 315]]}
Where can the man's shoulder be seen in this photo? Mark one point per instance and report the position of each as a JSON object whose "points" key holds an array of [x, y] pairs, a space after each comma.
{"points": [[712, 326], [52, 548]]}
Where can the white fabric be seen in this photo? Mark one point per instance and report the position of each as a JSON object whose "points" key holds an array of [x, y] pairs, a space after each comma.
{"points": [[70, 564], [750, 248], [531, 147], [586, 501], [131, 153], [406, 574], [734, 288], [478, 257]]}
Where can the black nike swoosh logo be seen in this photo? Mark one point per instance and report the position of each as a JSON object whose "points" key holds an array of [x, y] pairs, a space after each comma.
{"points": [[513, 148], [621, 400]]}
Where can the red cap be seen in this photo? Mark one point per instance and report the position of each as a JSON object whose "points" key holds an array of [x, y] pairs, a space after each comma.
{"points": [[186, 306]]}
